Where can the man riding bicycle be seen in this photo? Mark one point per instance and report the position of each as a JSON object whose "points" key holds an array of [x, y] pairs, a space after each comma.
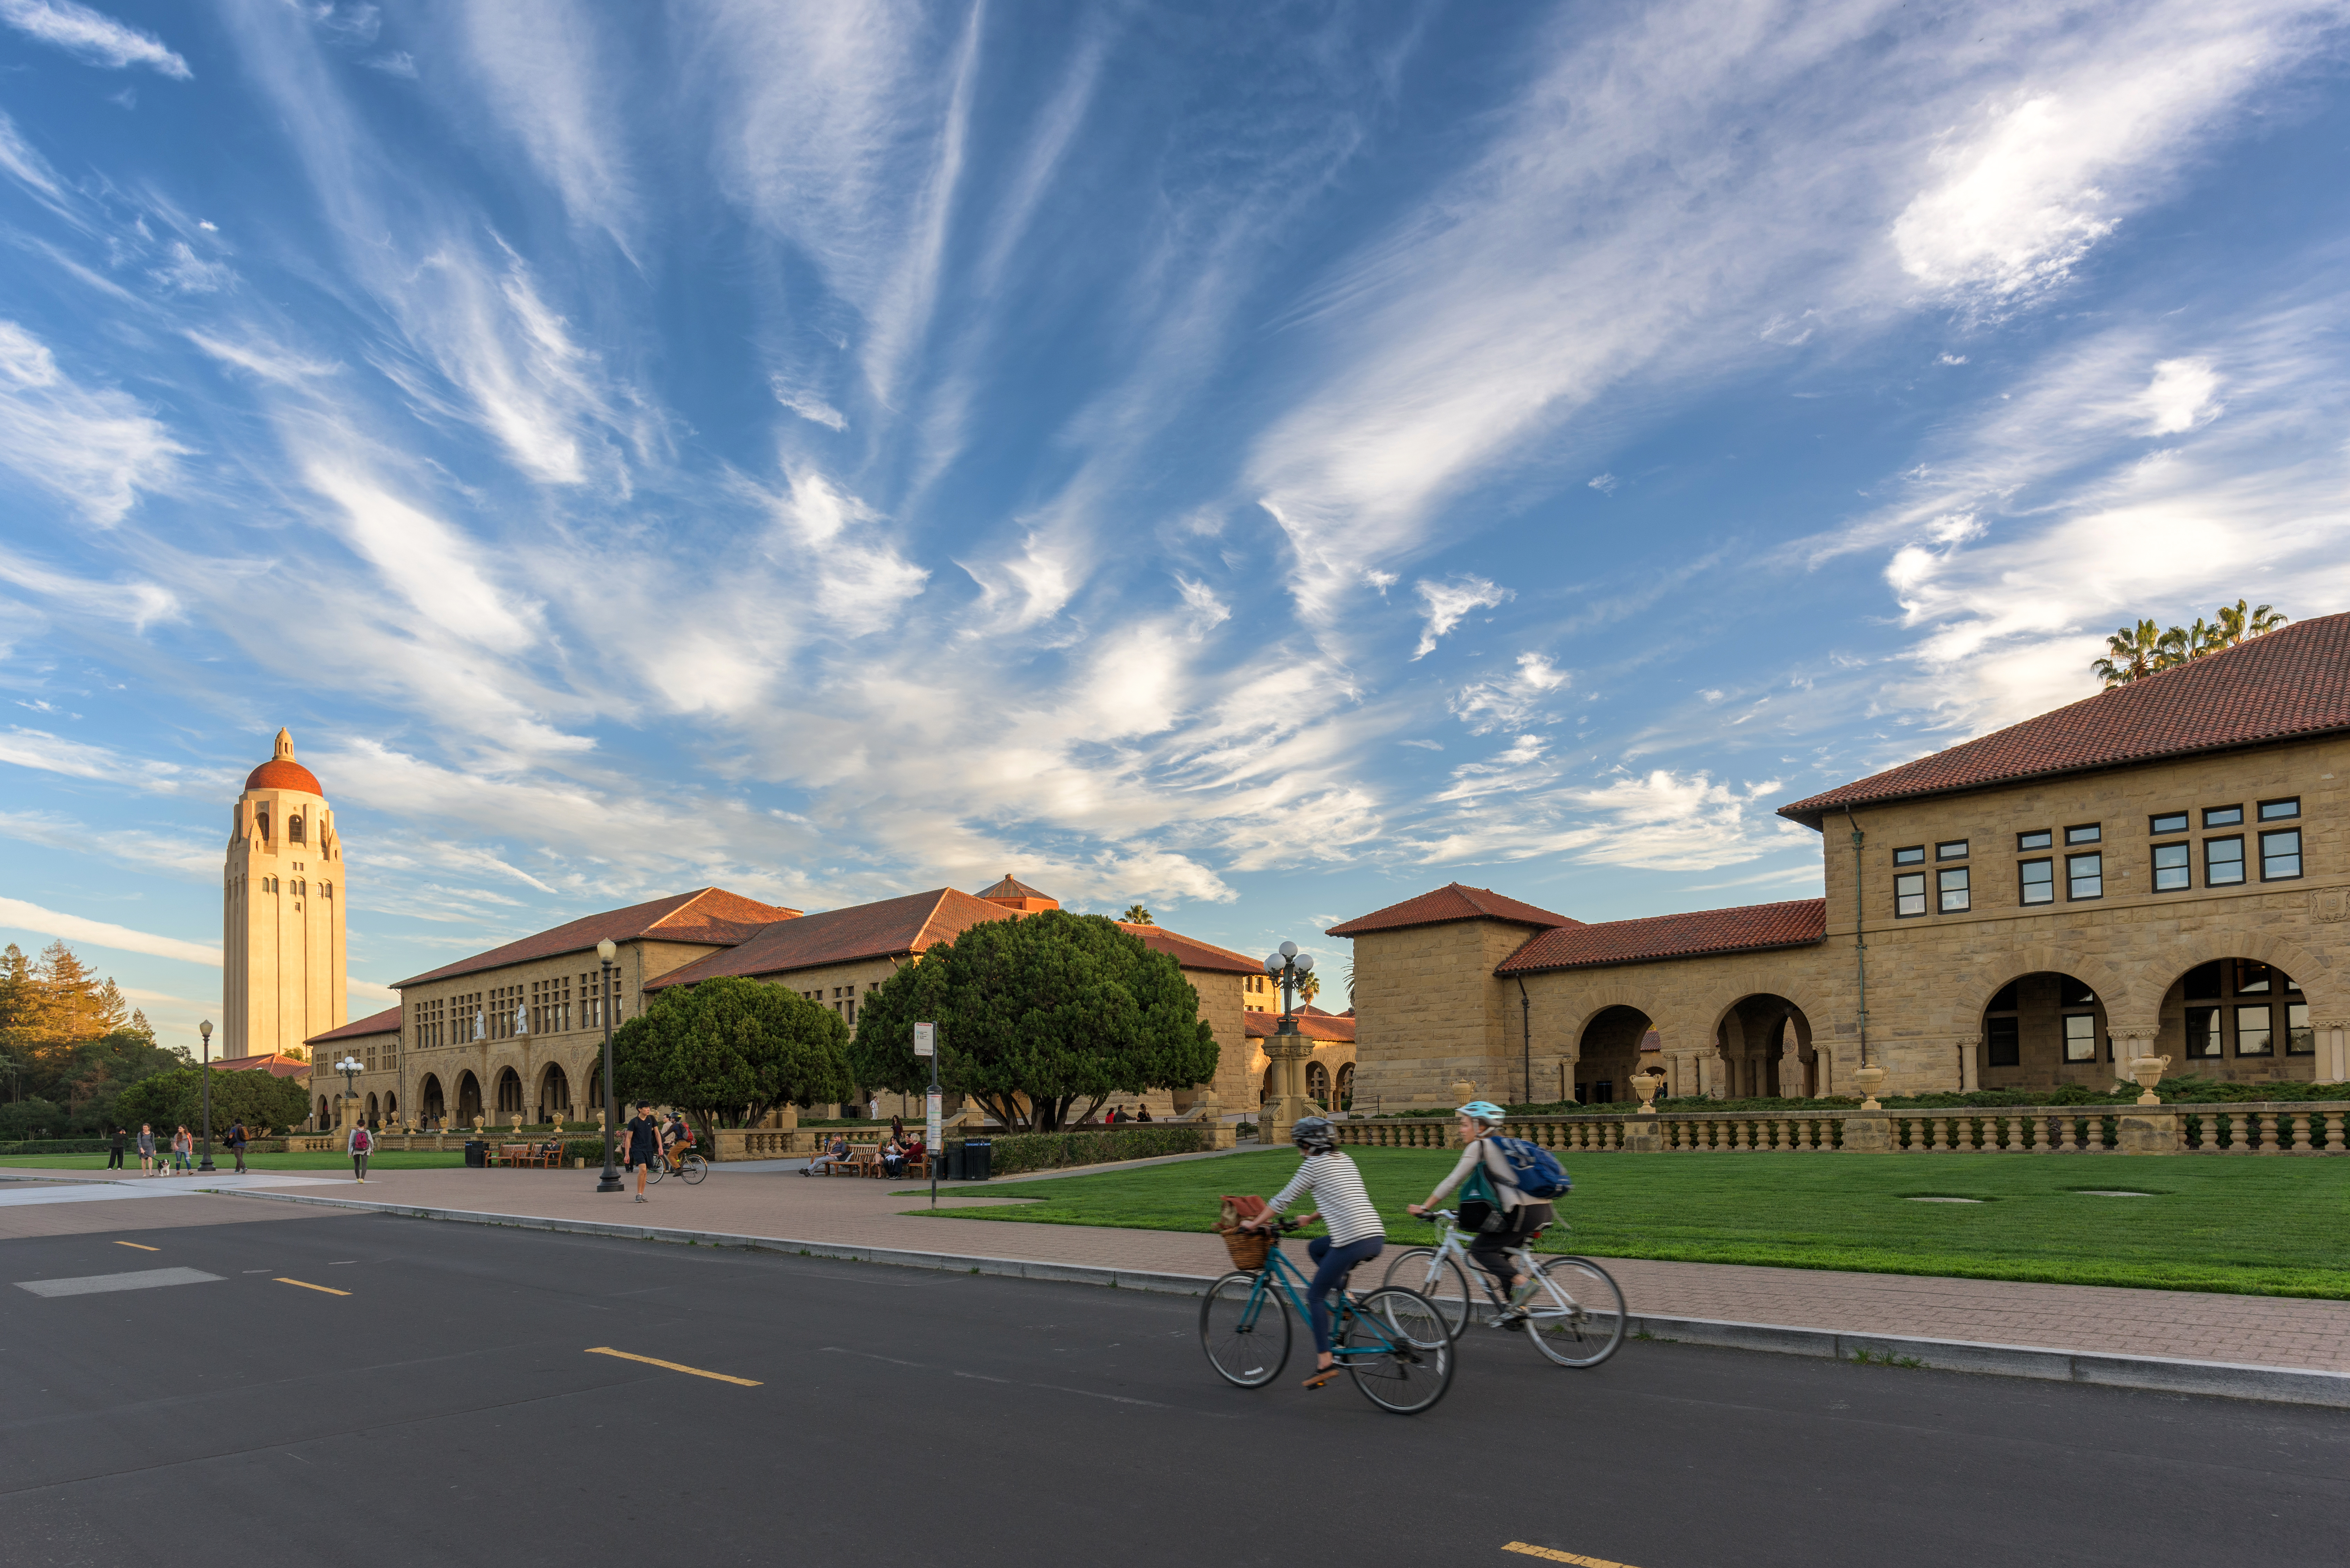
{"points": [[1356, 1235], [1516, 1218], [678, 1138]]}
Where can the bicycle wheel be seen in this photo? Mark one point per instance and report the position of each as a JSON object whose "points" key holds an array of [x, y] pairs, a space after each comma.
{"points": [[1439, 1278], [1247, 1340], [1401, 1351], [693, 1168], [1577, 1316], [655, 1170]]}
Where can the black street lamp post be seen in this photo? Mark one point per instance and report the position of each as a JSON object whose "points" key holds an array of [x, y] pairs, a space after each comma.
{"points": [[606, 951], [205, 1029], [1287, 1049]]}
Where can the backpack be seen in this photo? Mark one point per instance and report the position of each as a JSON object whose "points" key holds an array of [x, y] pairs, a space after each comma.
{"points": [[361, 1142], [1534, 1170]]}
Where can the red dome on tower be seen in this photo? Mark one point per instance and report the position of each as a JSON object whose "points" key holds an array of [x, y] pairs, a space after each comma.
{"points": [[282, 771]]}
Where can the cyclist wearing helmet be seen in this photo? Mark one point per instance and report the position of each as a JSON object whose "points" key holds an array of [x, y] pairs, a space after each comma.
{"points": [[1521, 1218], [1355, 1233]]}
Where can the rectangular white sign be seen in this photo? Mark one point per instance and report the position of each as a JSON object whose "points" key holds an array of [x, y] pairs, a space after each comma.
{"points": [[930, 1141], [926, 1036]]}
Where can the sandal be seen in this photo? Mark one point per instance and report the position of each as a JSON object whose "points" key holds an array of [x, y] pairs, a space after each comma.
{"points": [[1322, 1376]]}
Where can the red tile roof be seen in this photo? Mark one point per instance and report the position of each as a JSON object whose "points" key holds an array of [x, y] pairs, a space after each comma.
{"points": [[1312, 1023], [1011, 888], [274, 1064], [1450, 902], [1191, 952], [706, 915], [2292, 682], [384, 1023], [891, 928], [1750, 928]]}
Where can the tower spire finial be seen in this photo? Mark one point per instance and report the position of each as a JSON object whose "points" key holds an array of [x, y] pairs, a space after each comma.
{"points": [[284, 745]]}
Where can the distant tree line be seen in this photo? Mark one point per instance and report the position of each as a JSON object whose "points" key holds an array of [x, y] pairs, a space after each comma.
{"points": [[70, 1046], [2135, 652]]}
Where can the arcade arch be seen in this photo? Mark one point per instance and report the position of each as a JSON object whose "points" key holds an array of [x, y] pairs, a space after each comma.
{"points": [[436, 1109], [509, 1092], [469, 1097], [1609, 1052], [1765, 1044], [554, 1094], [2044, 1030], [2237, 1019]]}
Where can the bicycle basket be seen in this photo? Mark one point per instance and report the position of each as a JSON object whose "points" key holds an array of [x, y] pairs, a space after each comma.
{"points": [[1248, 1250]]}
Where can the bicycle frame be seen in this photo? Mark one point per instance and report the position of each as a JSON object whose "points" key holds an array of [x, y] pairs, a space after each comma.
{"points": [[1454, 1249], [1291, 1280]]}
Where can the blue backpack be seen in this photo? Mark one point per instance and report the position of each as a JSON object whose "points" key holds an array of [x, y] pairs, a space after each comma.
{"points": [[1535, 1170]]}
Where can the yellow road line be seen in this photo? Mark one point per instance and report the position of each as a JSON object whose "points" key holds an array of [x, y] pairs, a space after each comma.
{"points": [[141, 1245], [308, 1286], [1549, 1555], [673, 1367]]}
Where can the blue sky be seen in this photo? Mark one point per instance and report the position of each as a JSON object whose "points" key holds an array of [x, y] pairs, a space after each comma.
{"points": [[1259, 460]]}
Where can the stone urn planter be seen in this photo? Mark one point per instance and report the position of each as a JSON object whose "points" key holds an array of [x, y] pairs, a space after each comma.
{"points": [[1869, 1079], [1648, 1085], [2149, 1070]]}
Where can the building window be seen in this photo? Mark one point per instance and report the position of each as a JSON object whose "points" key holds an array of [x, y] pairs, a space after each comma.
{"points": [[2298, 1040], [2169, 822], [2254, 1030], [1951, 889], [294, 828], [2281, 854], [1910, 895], [2278, 810], [2203, 1033], [2255, 979], [2086, 833], [2039, 877], [2004, 1042], [2223, 862], [2223, 816], [1956, 849], [2079, 1037], [2171, 870], [2038, 838], [1915, 855], [2085, 875]]}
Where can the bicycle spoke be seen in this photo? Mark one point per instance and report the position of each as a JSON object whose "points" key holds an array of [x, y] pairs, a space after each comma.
{"points": [[1245, 1331], [1399, 1351], [1576, 1315]]}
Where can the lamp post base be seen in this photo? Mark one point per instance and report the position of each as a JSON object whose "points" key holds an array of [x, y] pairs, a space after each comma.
{"points": [[207, 1167]]}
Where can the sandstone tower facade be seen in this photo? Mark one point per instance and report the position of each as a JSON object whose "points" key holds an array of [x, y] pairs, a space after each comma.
{"points": [[282, 899]]}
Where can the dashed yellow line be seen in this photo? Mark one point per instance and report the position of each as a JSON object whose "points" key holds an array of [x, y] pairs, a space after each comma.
{"points": [[307, 1285], [674, 1366], [141, 1245], [1549, 1555]]}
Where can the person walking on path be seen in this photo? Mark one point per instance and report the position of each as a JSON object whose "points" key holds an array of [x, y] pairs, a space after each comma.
{"points": [[183, 1151], [644, 1143], [114, 1148], [145, 1150], [361, 1146], [237, 1144]]}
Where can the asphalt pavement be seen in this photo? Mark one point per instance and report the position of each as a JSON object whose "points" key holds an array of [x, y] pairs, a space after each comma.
{"points": [[376, 1389]]}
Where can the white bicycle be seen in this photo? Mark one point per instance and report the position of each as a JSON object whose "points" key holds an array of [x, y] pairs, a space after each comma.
{"points": [[1574, 1311]]}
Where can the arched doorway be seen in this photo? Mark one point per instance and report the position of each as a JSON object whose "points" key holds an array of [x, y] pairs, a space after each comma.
{"points": [[509, 1092], [469, 1097], [324, 1116], [554, 1094], [371, 1117], [1265, 1091], [1754, 1038], [1609, 1054], [2240, 1020], [1347, 1087], [391, 1110], [2044, 1030], [1317, 1084], [436, 1110]]}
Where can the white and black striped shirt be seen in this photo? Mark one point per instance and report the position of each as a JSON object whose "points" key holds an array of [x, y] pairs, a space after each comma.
{"points": [[1337, 1189]]}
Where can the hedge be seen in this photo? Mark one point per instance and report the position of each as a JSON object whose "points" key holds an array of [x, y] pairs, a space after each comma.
{"points": [[1053, 1151], [69, 1145]]}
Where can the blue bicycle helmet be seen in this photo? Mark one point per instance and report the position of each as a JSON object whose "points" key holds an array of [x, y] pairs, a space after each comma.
{"points": [[1484, 1111]]}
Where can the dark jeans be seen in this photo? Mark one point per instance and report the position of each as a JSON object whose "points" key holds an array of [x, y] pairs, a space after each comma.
{"points": [[238, 1149], [1335, 1262], [114, 1157], [1490, 1251]]}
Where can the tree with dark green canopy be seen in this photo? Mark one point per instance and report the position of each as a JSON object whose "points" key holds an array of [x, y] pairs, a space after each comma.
{"points": [[730, 1048], [257, 1099], [1037, 1017]]}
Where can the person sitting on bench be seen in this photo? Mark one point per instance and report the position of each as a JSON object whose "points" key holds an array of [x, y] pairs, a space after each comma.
{"points": [[835, 1155]]}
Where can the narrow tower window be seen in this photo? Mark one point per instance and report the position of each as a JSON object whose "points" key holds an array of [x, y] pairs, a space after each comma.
{"points": [[294, 828]]}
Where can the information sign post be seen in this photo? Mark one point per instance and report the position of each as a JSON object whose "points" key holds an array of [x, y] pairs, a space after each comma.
{"points": [[926, 1044]]}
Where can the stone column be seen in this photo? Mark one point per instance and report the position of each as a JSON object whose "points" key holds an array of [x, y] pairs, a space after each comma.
{"points": [[1286, 1050], [1970, 1050], [2333, 1051]]}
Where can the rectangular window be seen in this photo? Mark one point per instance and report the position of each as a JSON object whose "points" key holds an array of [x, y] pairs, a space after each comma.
{"points": [[2086, 833], [2223, 862], [1955, 849], [1952, 889], [2038, 838], [2253, 978], [2253, 1029], [2039, 881], [2223, 816], [2171, 870], [2169, 822], [2004, 1042], [2085, 875], [1915, 855], [2203, 1033], [2298, 1040], [2203, 982], [1910, 895], [2281, 854], [2278, 810], [2079, 1037]]}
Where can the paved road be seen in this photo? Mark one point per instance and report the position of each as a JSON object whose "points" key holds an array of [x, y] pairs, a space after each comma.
{"points": [[446, 1408]]}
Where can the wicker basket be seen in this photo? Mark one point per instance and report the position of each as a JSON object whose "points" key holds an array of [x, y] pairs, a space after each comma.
{"points": [[1248, 1248]]}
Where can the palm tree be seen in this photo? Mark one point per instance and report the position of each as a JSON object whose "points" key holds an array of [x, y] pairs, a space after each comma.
{"points": [[1309, 988], [2131, 654], [1136, 914], [2237, 621]]}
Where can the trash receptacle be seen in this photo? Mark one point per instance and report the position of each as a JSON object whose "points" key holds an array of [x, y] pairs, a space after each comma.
{"points": [[977, 1155], [477, 1153]]}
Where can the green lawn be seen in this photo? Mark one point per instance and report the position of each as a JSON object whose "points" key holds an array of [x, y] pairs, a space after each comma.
{"points": [[422, 1160], [2251, 1226]]}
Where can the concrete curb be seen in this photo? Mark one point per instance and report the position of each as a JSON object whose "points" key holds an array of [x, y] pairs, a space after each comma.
{"points": [[2219, 1379]]}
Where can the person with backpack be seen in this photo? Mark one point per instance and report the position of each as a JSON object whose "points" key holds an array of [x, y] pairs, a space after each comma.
{"points": [[1507, 1199], [1356, 1235], [361, 1146], [236, 1141]]}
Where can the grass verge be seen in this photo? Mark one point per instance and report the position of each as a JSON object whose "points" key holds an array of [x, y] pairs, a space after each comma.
{"points": [[2247, 1227]]}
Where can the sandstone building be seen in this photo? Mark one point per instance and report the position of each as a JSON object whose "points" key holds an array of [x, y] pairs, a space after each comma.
{"points": [[2163, 867], [283, 893]]}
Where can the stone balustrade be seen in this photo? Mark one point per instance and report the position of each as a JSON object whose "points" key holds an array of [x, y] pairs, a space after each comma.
{"points": [[2282, 1127]]}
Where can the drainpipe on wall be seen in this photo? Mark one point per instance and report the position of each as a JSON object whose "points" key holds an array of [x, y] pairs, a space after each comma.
{"points": [[1859, 941], [1526, 1037]]}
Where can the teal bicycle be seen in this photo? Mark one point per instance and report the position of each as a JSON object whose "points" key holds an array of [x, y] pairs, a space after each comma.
{"points": [[1391, 1341]]}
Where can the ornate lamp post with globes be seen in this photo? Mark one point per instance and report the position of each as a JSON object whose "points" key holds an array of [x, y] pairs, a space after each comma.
{"points": [[205, 1029], [606, 952], [1287, 1050]]}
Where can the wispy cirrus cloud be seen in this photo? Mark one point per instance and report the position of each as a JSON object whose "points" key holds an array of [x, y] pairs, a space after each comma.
{"points": [[92, 35], [97, 448]]}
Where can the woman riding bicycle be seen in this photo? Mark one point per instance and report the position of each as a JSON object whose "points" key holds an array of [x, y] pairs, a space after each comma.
{"points": [[1355, 1233], [1521, 1218]]}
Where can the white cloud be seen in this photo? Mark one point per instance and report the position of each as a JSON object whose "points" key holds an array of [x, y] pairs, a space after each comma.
{"points": [[78, 758], [25, 917], [1510, 701], [1446, 603], [19, 159], [185, 272], [1605, 483], [97, 450], [268, 360], [91, 35], [398, 63], [1208, 611], [541, 63], [132, 846], [2181, 395], [809, 406], [436, 568]]}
